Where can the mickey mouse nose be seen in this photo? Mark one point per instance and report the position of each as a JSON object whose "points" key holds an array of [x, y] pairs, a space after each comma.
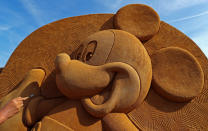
{"points": [[62, 60]]}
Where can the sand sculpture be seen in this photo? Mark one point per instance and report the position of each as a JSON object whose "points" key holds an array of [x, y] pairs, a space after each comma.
{"points": [[123, 71]]}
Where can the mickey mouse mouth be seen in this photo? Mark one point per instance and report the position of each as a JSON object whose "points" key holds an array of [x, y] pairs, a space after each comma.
{"points": [[104, 95]]}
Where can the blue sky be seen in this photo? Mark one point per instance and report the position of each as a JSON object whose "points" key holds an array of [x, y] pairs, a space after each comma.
{"points": [[19, 18]]}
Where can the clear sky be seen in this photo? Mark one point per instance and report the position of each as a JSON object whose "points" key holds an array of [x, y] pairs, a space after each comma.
{"points": [[19, 18]]}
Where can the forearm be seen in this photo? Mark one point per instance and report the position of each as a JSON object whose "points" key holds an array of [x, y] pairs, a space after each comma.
{"points": [[11, 108], [3, 117]]}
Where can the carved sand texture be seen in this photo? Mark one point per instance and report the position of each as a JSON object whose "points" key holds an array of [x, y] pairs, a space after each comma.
{"points": [[139, 20], [158, 113], [40, 48]]}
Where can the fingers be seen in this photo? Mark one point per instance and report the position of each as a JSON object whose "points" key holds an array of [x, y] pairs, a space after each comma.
{"points": [[18, 102], [14, 106], [22, 98], [19, 106]]}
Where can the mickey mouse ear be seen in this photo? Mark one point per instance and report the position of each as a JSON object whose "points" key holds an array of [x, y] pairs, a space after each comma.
{"points": [[177, 75], [139, 20]]}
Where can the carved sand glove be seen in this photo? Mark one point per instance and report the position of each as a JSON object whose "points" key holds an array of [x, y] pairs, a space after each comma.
{"points": [[39, 107], [77, 80]]}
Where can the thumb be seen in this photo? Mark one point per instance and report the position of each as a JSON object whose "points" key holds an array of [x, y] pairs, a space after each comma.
{"points": [[24, 98]]}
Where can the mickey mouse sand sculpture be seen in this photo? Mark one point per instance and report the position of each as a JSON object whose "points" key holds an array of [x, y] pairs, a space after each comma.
{"points": [[109, 87], [126, 66]]}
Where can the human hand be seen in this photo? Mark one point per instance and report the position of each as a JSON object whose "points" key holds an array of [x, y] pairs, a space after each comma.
{"points": [[11, 108]]}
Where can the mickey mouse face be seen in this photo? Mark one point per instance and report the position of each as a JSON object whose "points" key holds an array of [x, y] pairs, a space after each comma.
{"points": [[112, 59]]}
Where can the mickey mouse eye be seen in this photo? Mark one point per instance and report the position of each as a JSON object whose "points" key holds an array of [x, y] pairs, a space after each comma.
{"points": [[90, 50], [89, 56]]}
